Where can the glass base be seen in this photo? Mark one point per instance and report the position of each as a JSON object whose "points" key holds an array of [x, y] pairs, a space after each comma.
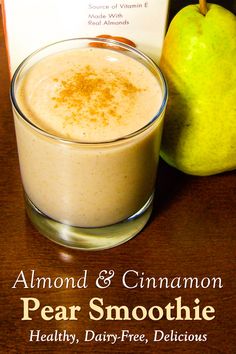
{"points": [[90, 239]]}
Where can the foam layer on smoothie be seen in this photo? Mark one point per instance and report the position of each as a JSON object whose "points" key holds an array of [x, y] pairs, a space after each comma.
{"points": [[89, 95]]}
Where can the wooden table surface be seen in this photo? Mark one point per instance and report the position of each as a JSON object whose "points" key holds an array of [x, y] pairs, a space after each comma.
{"points": [[191, 234]]}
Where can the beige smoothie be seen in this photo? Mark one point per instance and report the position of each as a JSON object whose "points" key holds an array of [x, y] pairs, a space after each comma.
{"points": [[78, 166]]}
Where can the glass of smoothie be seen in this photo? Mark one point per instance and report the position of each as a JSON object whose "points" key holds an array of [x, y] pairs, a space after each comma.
{"points": [[88, 117]]}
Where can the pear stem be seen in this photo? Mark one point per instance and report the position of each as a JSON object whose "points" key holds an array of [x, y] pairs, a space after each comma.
{"points": [[203, 7]]}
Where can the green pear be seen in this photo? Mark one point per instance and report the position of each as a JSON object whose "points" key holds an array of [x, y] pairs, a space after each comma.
{"points": [[199, 62]]}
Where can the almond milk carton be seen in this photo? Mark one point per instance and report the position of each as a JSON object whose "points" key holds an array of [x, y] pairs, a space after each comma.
{"points": [[30, 25]]}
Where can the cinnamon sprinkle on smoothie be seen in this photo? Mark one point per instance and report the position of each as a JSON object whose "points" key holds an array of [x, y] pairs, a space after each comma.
{"points": [[100, 89], [90, 95]]}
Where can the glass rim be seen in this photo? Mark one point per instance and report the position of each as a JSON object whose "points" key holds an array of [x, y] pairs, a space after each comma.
{"points": [[110, 43]]}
